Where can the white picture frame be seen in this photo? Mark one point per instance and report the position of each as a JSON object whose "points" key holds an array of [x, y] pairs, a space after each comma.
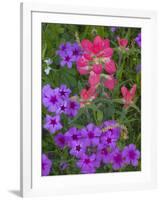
{"points": [[32, 183]]}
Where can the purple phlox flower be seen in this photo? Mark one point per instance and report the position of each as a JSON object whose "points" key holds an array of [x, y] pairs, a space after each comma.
{"points": [[63, 48], [62, 107], [104, 153], [138, 68], [73, 107], [63, 165], [131, 155], [109, 138], [50, 98], [87, 164], [117, 159], [112, 130], [138, 39], [45, 90], [46, 165], [110, 123], [69, 53], [92, 134], [113, 29], [76, 50], [60, 140], [67, 59], [73, 134], [78, 148], [56, 100], [64, 92], [52, 124]]}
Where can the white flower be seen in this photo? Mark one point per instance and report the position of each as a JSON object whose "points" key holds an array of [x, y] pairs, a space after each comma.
{"points": [[47, 70], [48, 61]]}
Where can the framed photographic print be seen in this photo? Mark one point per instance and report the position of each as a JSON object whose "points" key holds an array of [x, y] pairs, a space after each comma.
{"points": [[87, 100]]}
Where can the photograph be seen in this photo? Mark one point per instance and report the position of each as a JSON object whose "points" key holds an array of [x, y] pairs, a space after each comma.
{"points": [[91, 99]]}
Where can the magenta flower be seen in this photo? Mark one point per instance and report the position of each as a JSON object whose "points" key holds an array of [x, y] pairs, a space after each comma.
{"points": [[76, 50], [110, 137], [46, 89], [60, 140], [73, 134], [64, 92], [62, 107], [92, 134], [69, 53], [72, 108], [87, 164], [57, 100], [52, 124], [67, 59], [63, 48], [103, 153], [131, 155], [117, 159], [110, 124], [46, 92], [77, 148], [50, 98], [46, 165], [110, 132]]}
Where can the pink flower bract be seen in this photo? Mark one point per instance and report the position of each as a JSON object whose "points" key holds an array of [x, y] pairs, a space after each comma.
{"points": [[122, 42], [110, 67], [128, 95], [99, 47], [82, 65], [110, 83], [97, 68], [94, 79]]}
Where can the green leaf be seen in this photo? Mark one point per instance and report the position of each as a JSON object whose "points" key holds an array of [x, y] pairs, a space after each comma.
{"points": [[135, 107], [44, 50], [99, 115]]}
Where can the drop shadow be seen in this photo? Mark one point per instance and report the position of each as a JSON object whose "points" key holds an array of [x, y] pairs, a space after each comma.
{"points": [[15, 192]]}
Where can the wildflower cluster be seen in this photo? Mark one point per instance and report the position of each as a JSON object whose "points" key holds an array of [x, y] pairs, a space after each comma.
{"points": [[91, 98], [58, 101], [96, 60], [95, 146]]}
